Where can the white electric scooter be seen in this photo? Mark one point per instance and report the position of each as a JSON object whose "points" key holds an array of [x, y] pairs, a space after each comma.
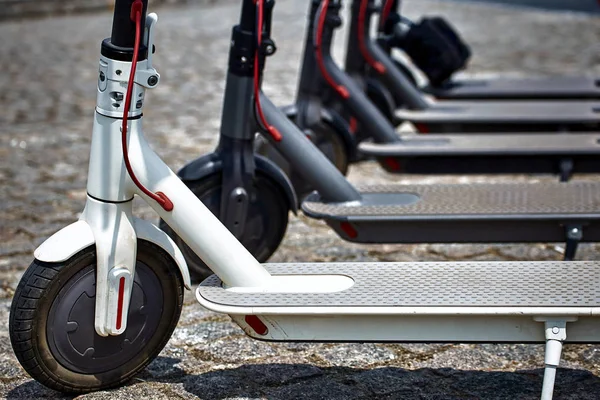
{"points": [[104, 294]]}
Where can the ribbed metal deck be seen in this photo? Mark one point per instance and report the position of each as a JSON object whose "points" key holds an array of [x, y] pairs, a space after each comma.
{"points": [[431, 284], [550, 112], [554, 200], [463, 213], [473, 145], [564, 87]]}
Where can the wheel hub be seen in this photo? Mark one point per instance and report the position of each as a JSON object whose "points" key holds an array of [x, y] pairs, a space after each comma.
{"points": [[70, 329]]}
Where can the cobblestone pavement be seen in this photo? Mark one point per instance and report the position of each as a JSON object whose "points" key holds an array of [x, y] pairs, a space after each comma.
{"points": [[47, 98]]}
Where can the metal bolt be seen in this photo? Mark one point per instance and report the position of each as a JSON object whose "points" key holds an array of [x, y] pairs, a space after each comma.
{"points": [[575, 231], [269, 49], [153, 80], [244, 59], [555, 330], [117, 96]]}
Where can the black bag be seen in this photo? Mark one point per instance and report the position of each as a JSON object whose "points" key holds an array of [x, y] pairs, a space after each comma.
{"points": [[436, 48]]}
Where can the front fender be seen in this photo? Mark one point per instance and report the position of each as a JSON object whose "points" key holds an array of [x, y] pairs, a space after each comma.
{"points": [[211, 163], [73, 238]]}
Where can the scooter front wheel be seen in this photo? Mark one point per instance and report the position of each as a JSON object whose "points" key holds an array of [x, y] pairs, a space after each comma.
{"points": [[265, 225], [52, 321]]}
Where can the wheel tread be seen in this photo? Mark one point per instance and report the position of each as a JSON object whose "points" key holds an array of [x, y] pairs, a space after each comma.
{"points": [[30, 293]]}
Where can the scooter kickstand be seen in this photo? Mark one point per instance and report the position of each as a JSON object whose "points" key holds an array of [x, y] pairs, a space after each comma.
{"points": [[556, 334], [574, 236], [566, 167]]}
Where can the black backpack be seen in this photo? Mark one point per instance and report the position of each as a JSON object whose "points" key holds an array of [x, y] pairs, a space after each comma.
{"points": [[436, 48]]}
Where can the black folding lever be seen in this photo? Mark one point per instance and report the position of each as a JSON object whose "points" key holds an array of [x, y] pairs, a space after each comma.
{"points": [[574, 236]]}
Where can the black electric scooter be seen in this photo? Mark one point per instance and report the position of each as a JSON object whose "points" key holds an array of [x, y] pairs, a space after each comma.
{"points": [[252, 197], [392, 33], [427, 115]]}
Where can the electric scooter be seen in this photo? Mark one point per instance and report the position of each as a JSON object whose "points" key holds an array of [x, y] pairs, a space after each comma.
{"points": [[103, 295], [435, 116], [392, 29], [252, 197], [331, 101]]}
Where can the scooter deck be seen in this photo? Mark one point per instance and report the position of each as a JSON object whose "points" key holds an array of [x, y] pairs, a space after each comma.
{"points": [[486, 153], [554, 88], [419, 301], [459, 116], [463, 213]]}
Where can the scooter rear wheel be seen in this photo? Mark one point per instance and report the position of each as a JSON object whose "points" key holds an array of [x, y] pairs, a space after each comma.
{"points": [[266, 220], [52, 321]]}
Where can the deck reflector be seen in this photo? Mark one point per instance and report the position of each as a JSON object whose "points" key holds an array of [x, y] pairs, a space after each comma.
{"points": [[349, 229], [256, 324], [392, 164]]}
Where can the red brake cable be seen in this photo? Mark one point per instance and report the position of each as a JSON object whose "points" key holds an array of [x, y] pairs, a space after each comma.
{"points": [[322, 16], [385, 13], [376, 65], [263, 121], [159, 197]]}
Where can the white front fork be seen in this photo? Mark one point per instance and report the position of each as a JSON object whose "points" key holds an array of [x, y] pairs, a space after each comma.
{"points": [[116, 247]]}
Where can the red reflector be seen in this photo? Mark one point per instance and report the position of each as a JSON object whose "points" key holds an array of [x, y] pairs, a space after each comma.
{"points": [[120, 303], [379, 68], [422, 128], [349, 230], [353, 125], [392, 164], [256, 324]]}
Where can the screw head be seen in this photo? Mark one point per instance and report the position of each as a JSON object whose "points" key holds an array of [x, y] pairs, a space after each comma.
{"points": [[153, 80], [555, 330]]}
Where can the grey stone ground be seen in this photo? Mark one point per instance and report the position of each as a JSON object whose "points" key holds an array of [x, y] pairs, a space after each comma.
{"points": [[47, 98]]}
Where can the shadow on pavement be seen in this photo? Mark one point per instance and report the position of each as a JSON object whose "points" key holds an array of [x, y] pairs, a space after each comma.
{"points": [[305, 381]]}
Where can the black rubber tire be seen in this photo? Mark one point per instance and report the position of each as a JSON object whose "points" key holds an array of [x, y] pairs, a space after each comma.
{"points": [[380, 101], [406, 71], [398, 102], [34, 332], [266, 221], [332, 145]]}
